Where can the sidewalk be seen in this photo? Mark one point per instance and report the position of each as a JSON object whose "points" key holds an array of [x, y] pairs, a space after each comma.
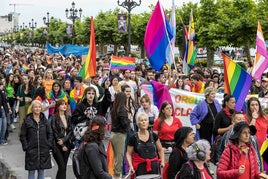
{"points": [[12, 155]]}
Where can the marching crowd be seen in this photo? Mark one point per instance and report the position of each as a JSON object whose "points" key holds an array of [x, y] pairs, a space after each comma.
{"points": [[59, 111]]}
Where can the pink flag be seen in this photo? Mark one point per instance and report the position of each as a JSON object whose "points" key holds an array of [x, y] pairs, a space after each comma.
{"points": [[261, 59], [161, 93]]}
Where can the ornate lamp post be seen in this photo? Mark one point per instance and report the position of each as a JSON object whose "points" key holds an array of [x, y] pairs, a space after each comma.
{"points": [[32, 25], [23, 26], [129, 5], [73, 16], [46, 20]]}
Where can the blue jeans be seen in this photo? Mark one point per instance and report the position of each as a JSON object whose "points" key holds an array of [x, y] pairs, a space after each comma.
{"points": [[41, 174], [3, 126]]}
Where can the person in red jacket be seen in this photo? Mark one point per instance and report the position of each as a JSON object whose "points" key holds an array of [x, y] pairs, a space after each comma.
{"points": [[239, 160]]}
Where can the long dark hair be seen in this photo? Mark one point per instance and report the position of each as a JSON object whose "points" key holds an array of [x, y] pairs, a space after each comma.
{"points": [[40, 92], [249, 112], [84, 98], [96, 130], [162, 115], [30, 85], [57, 111], [60, 87], [8, 82], [119, 104], [130, 102]]}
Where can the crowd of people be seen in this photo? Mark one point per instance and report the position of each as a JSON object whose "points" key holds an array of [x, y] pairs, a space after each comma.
{"points": [[58, 110]]}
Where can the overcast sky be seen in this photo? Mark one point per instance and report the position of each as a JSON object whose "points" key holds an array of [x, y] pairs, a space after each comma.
{"points": [[37, 9]]}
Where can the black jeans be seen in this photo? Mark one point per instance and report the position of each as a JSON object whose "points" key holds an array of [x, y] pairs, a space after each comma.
{"points": [[61, 158]]}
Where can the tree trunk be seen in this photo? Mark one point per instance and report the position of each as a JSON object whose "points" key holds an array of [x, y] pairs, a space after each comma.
{"points": [[247, 52], [142, 51], [210, 57]]}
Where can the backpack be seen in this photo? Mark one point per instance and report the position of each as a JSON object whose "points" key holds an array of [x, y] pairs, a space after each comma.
{"points": [[78, 160], [191, 166], [165, 169]]}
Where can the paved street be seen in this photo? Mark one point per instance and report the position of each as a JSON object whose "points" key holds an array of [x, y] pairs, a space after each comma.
{"points": [[13, 156]]}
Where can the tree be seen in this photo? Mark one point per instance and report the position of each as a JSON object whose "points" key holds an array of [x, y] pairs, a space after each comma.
{"points": [[206, 28]]}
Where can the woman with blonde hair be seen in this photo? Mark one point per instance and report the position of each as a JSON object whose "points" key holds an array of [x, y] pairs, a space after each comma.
{"points": [[36, 139], [143, 148], [48, 80]]}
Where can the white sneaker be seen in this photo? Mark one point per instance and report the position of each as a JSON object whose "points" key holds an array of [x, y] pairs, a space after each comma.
{"points": [[12, 126]]}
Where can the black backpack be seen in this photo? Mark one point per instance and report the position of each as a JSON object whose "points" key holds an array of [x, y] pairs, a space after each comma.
{"points": [[78, 160]]}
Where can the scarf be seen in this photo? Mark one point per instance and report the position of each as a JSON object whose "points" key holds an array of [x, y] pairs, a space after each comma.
{"points": [[74, 97], [227, 112]]}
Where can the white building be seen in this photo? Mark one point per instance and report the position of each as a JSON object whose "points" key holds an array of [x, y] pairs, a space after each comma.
{"points": [[9, 22]]}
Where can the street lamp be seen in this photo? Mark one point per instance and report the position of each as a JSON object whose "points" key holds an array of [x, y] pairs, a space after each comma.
{"points": [[32, 25], [73, 16], [23, 26], [46, 20], [129, 5]]}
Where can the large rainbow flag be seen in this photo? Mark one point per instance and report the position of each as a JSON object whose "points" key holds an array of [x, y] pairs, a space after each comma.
{"points": [[89, 67], [157, 37], [237, 81], [191, 53], [261, 58], [123, 63]]}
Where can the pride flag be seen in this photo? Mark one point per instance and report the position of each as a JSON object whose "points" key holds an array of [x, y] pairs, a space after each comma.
{"points": [[25, 67], [185, 44], [49, 60], [157, 37], [237, 81], [89, 67], [261, 58], [161, 94], [171, 47], [123, 63], [191, 53]]}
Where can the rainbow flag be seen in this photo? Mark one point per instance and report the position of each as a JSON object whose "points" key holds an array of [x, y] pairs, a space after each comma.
{"points": [[25, 67], [237, 81], [123, 63], [185, 44], [261, 58], [49, 60], [89, 67], [157, 37], [192, 53]]}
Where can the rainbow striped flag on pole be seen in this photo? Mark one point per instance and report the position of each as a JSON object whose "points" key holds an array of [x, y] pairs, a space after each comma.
{"points": [[237, 81], [123, 63], [89, 67], [261, 58], [191, 55]]}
